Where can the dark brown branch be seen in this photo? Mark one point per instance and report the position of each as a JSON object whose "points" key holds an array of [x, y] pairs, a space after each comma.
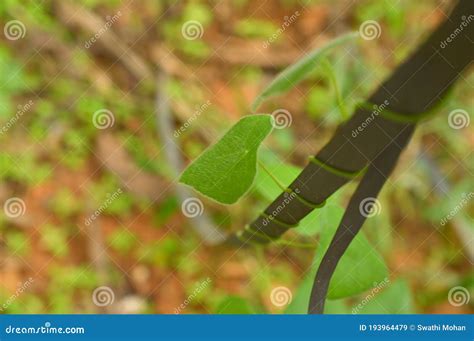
{"points": [[370, 186], [415, 87]]}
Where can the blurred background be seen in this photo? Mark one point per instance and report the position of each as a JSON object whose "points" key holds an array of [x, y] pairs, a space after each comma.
{"points": [[103, 102]]}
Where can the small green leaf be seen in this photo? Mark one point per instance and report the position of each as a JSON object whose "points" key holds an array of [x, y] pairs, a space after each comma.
{"points": [[359, 268], [295, 73], [225, 171]]}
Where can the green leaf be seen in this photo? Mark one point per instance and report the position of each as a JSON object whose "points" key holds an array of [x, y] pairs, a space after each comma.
{"points": [[226, 170], [234, 305], [394, 299], [295, 73], [300, 302], [359, 268]]}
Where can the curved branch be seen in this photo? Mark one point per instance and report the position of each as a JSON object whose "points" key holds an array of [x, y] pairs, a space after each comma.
{"points": [[353, 219], [415, 87]]}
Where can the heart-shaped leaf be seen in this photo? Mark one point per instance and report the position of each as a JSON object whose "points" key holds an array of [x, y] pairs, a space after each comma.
{"points": [[226, 170], [296, 72]]}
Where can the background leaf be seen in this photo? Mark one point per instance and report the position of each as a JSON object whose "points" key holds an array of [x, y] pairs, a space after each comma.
{"points": [[234, 305], [225, 171], [296, 72], [359, 268]]}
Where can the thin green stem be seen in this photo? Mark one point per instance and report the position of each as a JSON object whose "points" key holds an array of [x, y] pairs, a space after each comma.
{"points": [[332, 78], [283, 188]]}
